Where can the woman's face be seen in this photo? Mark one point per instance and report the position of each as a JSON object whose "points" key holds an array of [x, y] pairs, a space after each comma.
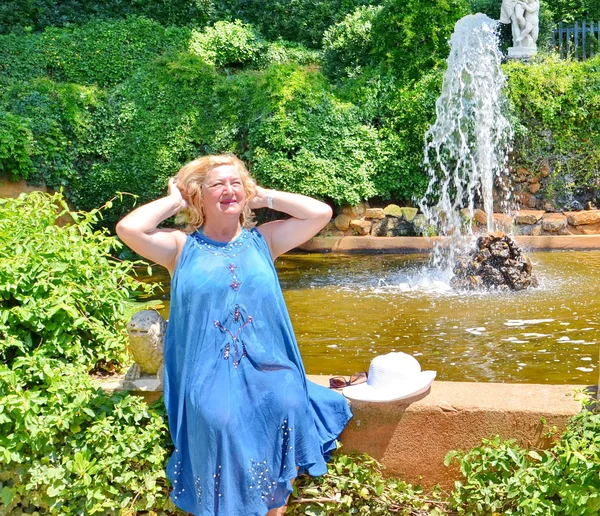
{"points": [[223, 192]]}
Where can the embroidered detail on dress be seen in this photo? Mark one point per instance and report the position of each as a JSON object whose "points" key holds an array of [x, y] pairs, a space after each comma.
{"points": [[239, 245], [217, 480], [235, 284], [198, 486], [177, 490], [286, 436], [235, 339], [261, 479]]}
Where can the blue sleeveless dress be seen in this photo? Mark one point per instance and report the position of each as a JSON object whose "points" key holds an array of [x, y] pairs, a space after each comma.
{"points": [[242, 415]]}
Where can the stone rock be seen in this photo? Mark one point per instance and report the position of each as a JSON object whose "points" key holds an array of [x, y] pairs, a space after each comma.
{"points": [[355, 212], [361, 227], [521, 174], [342, 222], [534, 187], [555, 223], [528, 216], [409, 213], [545, 169], [374, 213], [480, 217], [496, 262], [399, 227], [379, 227], [583, 217], [585, 229], [393, 210], [549, 207], [526, 200], [146, 332], [420, 226], [536, 230]]}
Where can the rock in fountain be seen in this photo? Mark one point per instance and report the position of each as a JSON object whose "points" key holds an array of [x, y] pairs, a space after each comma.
{"points": [[496, 262]]}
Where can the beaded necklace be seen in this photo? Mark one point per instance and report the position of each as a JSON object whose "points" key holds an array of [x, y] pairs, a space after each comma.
{"points": [[232, 249]]}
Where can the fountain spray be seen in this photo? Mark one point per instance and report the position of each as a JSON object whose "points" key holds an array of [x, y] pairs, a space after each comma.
{"points": [[466, 148]]}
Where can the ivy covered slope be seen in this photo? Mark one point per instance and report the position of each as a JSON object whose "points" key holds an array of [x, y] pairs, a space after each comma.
{"points": [[66, 447], [120, 104], [557, 104]]}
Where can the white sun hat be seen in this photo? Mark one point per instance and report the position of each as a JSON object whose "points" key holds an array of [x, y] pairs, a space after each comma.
{"points": [[394, 376]]}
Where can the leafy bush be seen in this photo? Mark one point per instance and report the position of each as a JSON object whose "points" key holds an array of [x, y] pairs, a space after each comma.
{"points": [[348, 45], [62, 293], [19, 15], [557, 104], [102, 53], [66, 447], [355, 484], [308, 141], [411, 36], [573, 10], [16, 141], [293, 20], [502, 478], [105, 53], [227, 44]]}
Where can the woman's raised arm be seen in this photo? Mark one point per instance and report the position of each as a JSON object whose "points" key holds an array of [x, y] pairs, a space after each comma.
{"points": [[307, 217], [139, 229]]}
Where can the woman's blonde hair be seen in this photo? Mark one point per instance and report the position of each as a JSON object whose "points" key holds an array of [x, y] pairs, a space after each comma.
{"points": [[191, 177]]}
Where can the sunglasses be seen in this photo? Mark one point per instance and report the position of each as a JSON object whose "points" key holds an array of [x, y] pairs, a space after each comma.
{"points": [[339, 382]]}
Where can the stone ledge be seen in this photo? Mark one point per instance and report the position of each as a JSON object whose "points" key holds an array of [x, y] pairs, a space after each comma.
{"points": [[371, 244], [412, 437]]}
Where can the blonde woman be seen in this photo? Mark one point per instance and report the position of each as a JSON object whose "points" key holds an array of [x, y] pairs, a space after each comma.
{"points": [[243, 418]]}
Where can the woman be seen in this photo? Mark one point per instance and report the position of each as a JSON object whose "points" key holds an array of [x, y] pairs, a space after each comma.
{"points": [[243, 418]]}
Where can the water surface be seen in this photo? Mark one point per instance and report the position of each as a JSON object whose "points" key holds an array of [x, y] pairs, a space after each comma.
{"points": [[348, 308]]}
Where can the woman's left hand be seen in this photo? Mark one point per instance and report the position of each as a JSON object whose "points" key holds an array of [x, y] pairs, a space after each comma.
{"points": [[260, 199]]}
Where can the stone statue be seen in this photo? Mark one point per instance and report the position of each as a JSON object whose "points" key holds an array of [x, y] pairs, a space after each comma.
{"points": [[146, 331], [523, 16]]}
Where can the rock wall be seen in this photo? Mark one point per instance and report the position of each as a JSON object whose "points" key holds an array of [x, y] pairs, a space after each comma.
{"points": [[393, 220]]}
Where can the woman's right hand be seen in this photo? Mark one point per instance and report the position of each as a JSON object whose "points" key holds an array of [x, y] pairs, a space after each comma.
{"points": [[175, 193]]}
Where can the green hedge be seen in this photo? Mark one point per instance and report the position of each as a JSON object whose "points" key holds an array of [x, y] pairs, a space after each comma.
{"points": [[66, 447], [102, 53], [557, 106]]}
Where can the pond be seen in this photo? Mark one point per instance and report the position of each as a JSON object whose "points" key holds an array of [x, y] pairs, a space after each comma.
{"points": [[348, 308]]}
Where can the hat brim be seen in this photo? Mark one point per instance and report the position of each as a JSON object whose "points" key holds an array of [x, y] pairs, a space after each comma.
{"points": [[417, 385]]}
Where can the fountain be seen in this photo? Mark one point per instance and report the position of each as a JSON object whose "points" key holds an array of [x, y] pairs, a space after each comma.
{"points": [[466, 152]]}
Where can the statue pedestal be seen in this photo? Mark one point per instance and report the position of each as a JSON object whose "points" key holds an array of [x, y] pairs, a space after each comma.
{"points": [[521, 52]]}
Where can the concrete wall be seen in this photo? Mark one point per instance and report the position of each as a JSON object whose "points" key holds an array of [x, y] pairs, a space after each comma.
{"points": [[411, 438]]}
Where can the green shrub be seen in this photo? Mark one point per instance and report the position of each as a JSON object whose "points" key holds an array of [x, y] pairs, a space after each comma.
{"points": [[348, 45], [66, 447], [557, 104], [294, 20], [227, 44], [411, 36], [16, 142], [59, 117], [19, 15], [500, 477], [62, 293], [355, 484], [105, 53], [573, 10], [306, 140]]}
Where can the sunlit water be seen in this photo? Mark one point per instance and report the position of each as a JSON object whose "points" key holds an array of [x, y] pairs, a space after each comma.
{"points": [[348, 308]]}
